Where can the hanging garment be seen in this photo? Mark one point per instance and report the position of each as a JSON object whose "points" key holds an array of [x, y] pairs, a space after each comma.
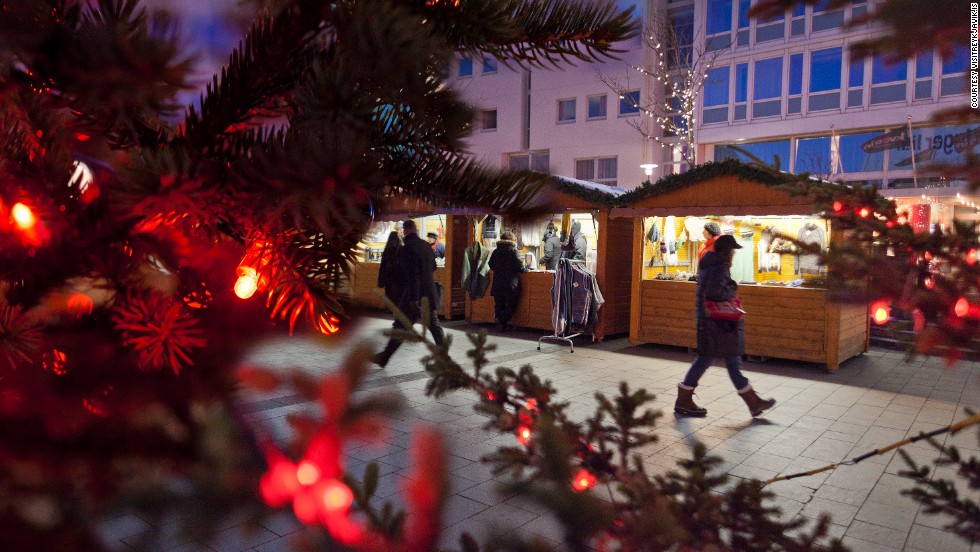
{"points": [[491, 228], [575, 298], [768, 262], [476, 270], [653, 235], [743, 265], [811, 234], [670, 238]]}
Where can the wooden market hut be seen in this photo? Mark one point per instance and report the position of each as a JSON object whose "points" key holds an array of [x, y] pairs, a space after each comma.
{"points": [[612, 269], [798, 323], [458, 232]]}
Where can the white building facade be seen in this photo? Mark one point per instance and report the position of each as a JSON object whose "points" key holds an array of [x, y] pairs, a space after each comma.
{"points": [[787, 89]]}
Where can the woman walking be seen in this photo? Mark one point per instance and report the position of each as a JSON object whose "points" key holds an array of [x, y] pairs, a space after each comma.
{"points": [[389, 273], [716, 337]]}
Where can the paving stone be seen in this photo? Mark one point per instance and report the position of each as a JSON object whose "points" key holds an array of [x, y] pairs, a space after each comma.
{"points": [[886, 537], [840, 513], [928, 538]]}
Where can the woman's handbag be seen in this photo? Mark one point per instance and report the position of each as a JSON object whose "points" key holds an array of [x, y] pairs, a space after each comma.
{"points": [[724, 310]]}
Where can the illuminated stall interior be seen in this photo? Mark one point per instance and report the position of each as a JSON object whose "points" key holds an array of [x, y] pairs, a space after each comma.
{"points": [[608, 255], [789, 314]]}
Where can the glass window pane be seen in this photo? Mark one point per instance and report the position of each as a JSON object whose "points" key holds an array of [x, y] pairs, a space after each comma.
{"points": [[882, 71], [795, 74], [825, 68], [741, 82], [566, 110], [768, 79], [682, 20], [597, 107], [799, 9], [957, 63], [770, 32], [466, 67], [945, 145], [820, 6], [854, 159], [765, 151], [488, 119], [585, 169], [518, 162], [716, 86], [743, 13], [540, 162], [719, 16], [855, 73], [489, 64], [923, 65], [630, 102], [813, 155], [607, 168]]}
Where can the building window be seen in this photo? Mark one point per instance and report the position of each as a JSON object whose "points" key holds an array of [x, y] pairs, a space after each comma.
{"points": [[742, 38], [719, 16], [488, 119], [679, 53], [855, 82], [768, 79], [854, 159], [629, 103], [823, 19], [794, 103], [892, 76], [601, 170], [535, 160], [798, 24], [825, 71], [768, 84], [465, 68], [597, 106], [768, 152], [741, 90], [954, 73], [923, 75], [825, 68], [719, 25], [813, 156], [489, 65], [566, 110], [716, 88]]}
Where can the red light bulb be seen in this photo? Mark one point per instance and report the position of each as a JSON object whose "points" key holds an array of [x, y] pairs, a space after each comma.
{"points": [[971, 257], [929, 282], [247, 283], [307, 473], [838, 206], [523, 434], [23, 216], [335, 496], [864, 212], [583, 480], [532, 404], [962, 307], [880, 312]]}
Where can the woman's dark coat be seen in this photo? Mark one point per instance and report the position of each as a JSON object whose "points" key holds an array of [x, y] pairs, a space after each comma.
{"points": [[389, 273], [717, 338], [576, 247], [506, 265]]}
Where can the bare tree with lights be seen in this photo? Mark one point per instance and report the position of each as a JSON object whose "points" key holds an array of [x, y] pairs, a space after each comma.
{"points": [[679, 63]]}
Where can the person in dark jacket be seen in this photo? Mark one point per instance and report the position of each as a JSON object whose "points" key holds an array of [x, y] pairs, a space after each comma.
{"points": [[389, 273], [416, 268], [506, 265], [576, 246], [718, 338], [552, 248]]}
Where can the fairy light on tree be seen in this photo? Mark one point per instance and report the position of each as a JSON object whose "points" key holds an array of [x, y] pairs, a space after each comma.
{"points": [[680, 68]]}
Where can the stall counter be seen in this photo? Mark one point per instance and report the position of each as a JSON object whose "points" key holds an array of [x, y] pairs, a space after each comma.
{"points": [[534, 309], [780, 322]]}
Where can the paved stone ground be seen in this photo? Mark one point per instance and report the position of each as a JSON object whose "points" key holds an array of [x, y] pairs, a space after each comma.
{"points": [[820, 418]]}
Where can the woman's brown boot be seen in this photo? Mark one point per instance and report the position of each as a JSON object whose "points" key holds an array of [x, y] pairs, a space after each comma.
{"points": [[757, 405], [685, 403]]}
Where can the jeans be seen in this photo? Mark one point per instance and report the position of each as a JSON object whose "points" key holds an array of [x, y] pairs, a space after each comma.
{"points": [[701, 364]]}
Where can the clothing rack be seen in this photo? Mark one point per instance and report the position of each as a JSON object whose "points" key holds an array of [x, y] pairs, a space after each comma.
{"points": [[564, 266]]}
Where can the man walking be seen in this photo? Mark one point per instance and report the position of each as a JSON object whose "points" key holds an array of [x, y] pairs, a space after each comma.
{"points": [[418, 263]]}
